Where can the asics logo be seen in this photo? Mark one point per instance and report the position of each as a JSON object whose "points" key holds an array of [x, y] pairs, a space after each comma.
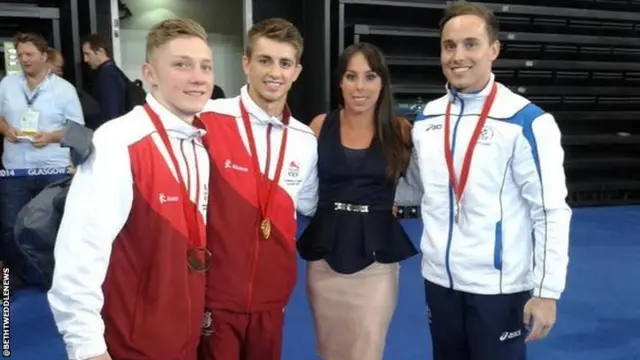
{"points": [[510, 335]]}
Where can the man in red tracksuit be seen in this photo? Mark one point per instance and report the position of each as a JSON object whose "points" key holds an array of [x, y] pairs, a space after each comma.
{"points": [[129, 277], [262, 170]]}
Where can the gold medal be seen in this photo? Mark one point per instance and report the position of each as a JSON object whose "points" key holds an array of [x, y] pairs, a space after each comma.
{"points": [[265, 227], [264, 185]]}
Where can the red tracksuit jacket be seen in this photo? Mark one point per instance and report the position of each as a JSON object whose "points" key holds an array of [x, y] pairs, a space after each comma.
{"points": [[121, 281], [250, 274]]}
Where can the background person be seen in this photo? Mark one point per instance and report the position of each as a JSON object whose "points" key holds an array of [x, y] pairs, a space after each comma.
{"points": [[109, 82], [90, 108], [35, 105]]}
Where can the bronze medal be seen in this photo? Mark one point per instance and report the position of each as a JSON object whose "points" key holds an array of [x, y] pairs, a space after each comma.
{"points": [[199, 259], [198, 256]]}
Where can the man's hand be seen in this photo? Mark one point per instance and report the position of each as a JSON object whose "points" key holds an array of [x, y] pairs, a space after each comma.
{"points": [[104, 356], [11, 134], [539, 318], [42, 140], [395, 209]]}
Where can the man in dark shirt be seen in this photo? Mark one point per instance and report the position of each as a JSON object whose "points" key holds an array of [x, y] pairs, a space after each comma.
{"points": [[109, 88]]}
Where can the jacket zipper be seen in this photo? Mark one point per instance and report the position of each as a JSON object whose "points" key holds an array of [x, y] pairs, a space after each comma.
{"points": [[256, 247], [451, 195], [252, 274]]}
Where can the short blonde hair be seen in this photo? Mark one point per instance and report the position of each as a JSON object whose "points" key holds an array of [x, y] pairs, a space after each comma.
{"points": [[276, 29], [171, 29]]}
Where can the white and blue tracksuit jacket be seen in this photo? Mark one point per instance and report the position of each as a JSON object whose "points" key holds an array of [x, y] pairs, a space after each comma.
{"points": [[513, 231]]}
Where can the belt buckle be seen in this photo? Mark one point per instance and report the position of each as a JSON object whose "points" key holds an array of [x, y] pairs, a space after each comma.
{"points": [[351, 207]]}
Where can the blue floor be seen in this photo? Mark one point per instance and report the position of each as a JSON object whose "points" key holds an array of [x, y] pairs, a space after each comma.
{"points": [[598, 318]]}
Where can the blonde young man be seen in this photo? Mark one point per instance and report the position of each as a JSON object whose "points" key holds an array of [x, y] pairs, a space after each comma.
{"points": [[251, 223], [130, 254]]}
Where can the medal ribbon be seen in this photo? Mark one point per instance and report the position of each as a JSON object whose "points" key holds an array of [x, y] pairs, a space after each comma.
{"points": [[264, 188], [189, 209], [458, 187]]}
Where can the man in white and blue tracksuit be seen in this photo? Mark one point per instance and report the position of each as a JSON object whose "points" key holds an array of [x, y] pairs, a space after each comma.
{"points": [[495, 248]]}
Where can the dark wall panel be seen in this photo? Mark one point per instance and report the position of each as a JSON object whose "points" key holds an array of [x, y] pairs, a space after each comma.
{"points": [[317, 72], [577, 59], [69, 50], [25, 17]]}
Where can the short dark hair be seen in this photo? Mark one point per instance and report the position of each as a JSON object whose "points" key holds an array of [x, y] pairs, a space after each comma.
{"points": [[36, 39], [97, 42], [461, 7], [275, 29]]}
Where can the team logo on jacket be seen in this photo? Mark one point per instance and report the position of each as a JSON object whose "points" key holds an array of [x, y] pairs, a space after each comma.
{"points": [[294, 169], [228, 164], [486, 134], [431, 127], [167, 198], [293, 174]]}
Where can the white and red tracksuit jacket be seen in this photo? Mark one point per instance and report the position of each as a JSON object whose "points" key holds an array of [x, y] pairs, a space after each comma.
{"points": [[250, 274], [121, 281]]}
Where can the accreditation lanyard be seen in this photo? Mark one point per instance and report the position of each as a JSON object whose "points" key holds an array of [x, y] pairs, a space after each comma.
{"points": [[459, 186], [25, 92], [32, 99]]}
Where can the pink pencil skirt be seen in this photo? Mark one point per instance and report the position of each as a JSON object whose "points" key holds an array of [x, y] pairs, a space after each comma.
{"points": [[352, 312]]}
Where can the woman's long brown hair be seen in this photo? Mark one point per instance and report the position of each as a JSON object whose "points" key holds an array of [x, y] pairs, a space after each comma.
{"points": [[395, 143]]}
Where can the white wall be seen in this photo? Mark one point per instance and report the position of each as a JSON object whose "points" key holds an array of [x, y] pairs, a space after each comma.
{"points": [[223, 20]]}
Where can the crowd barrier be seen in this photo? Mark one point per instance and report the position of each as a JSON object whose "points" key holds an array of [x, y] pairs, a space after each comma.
{"points": [[48, 171]]}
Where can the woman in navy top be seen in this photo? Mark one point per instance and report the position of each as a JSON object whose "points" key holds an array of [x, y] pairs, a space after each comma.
{"points": [[353, 243]]}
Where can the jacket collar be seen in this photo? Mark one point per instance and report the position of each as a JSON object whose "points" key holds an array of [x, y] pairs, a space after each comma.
{"points": [[41, 86], [172, 123], [255, 112], [454, 95]]}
